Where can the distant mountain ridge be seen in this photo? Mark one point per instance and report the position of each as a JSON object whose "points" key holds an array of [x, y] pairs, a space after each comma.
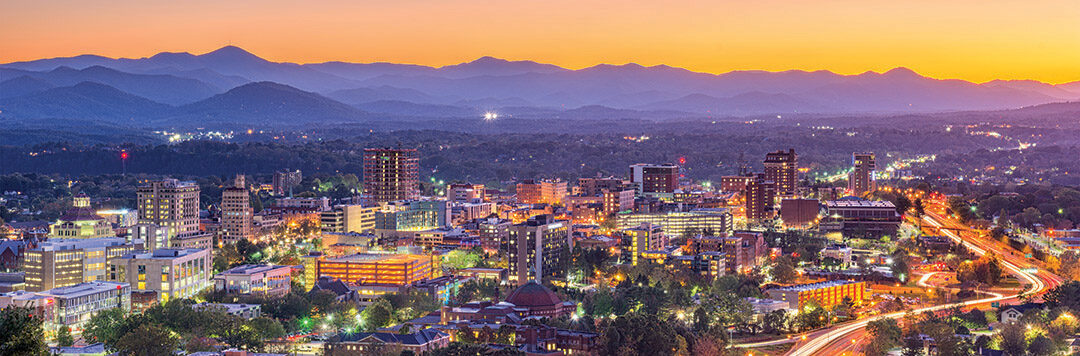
{"points": [[233, 86]]}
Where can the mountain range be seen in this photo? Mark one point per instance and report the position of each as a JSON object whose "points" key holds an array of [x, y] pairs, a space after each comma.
{"points": [[233, 87]]}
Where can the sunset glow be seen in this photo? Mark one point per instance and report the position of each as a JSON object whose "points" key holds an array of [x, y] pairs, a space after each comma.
{"points": [[971, 40]]}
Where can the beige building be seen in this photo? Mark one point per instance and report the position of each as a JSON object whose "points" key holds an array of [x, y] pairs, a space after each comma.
{"points": [[170, 203], [645, 237], [64, 262], [172, 273], [236, 212], [349, 218], [81, 222], [541, 191], [265, 280]]}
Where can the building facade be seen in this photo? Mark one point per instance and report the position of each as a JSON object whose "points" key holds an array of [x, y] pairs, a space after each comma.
{"points": [[261, 280], [391, 174], [537, 249], [654, 178], [861, 178], [170, 203], [65, 262], [760, 197], [826, 294], [532, 191], [81, 222], [236, 212], [171, 273], [680, 223], [782, 168], [383, 268]]}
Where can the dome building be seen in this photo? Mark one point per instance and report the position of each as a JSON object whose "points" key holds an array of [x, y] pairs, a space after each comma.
{"points": [[540, 301], [81, 222]]}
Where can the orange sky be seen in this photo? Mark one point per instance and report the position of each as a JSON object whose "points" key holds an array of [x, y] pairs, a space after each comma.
{"points": [[966, 39]]}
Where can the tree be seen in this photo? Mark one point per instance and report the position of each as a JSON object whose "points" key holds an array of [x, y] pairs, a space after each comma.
{"points": [[377, 314], [920, 209], [21, 333], [1064, 295], [148, 339], [783, 270], [104, 326], [902, 203], [1013, 341], [267, 328], [63, 336], [1070, 265], [1041, 346]]}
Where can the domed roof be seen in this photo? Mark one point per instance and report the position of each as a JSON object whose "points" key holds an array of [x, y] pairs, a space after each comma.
{"points": [[533, 294]]}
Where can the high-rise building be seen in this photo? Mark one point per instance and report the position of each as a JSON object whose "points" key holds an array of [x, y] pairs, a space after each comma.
{"points": [[81, 222], [782, 168], [172, 204], [654, 178], [65, 262], [236, 212], [861, 178], [531, 191], [646, 237], [760, 197], [285, 181], [538, 249], [618, 200], [170, 273], [391, 174]]}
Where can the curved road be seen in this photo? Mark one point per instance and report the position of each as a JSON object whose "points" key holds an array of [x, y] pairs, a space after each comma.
{"points": [[836, 340]]}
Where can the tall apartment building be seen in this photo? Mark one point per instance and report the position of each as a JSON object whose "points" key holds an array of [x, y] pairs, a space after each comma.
{"points": [[654, 178], [537, 248], [391, 174], [494, 233], [760, 197], [65, 262], [236, 212], [782, 168], [618, 200], [81, 222], [861, 179], [645, 237], [349, 218], [171, 273], [531, 191], [172, 204], [466, 192], [285, 181]]}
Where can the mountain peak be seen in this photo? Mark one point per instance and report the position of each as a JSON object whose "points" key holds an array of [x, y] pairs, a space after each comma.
{"points": [[901, 72], [232, 53]]}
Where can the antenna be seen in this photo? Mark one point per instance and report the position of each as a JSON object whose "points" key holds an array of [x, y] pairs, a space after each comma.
{"points": [[743, 167]]}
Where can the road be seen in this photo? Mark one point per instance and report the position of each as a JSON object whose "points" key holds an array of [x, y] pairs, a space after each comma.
{"points": [[845, 338]]}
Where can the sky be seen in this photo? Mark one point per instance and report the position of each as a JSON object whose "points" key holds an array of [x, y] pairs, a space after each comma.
{"points": [[965, 39]]}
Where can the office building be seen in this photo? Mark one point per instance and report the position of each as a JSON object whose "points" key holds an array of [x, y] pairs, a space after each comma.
{"points": [[170, 273], [494, 233], [860, 218], [618, 200], [120, 217], [536, 249], [745, 250], [466, 192], [153, 236], [413, 215], [313, 204], [596, 186], [646, 237], [285, 181], [654, 178], [244, 311], [760, 197], [65, 262], [236, 212], [170, 203], [694, 222], [259, 280], [349, 218], [380, 268], [81, 222], [827, 294], [391, 174], [532, 191], [861, 178], [75, 304], [735, 184], [782, 168]]}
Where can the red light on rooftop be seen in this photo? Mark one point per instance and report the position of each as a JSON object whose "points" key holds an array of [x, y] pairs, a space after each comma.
{"points": [[682, 160], [123, 155]]}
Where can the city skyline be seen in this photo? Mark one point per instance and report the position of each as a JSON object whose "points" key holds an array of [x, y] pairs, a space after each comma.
{"points": [[939, 40]]}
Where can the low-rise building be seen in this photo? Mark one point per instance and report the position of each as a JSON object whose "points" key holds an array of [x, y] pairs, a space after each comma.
{"points": [[171, 273], [264, 280], [859, 217], [680, 223], [245, 311], [372, 343], [66, 262], [76, 304], [826, 294]]}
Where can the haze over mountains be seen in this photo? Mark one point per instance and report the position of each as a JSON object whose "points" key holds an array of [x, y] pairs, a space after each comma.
{"points": [[232, 87]]}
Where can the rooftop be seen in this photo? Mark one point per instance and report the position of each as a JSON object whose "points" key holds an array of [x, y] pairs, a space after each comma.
{"points": [[379, 257], [74, 244], [252, 269], [859, 203], [813, 286], [84, 289]]}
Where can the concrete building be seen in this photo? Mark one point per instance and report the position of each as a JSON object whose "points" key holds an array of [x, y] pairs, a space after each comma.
{"points": [[494, 233], [827, 294], [349, 218], [745, 250], [244, 311], [421, 342], [799, 212], [782, 168], [735, 184], [75, 304], [618, 200], [653, 179], [599, 185], [382, 268], [760, 197], [391, 174], [154, 236], [64, 262], [466, 192], [170, 203], [316, 204], [859, 217], [260, 280], [171, 273], [861, 178], [679, 223], [645, 237], [236, 212], [285, 181], [532, 191], [81, 222], [413, 215], [537, 247]]}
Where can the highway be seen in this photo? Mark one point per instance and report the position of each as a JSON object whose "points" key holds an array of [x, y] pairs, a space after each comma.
{"points": [[845, 338]]}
